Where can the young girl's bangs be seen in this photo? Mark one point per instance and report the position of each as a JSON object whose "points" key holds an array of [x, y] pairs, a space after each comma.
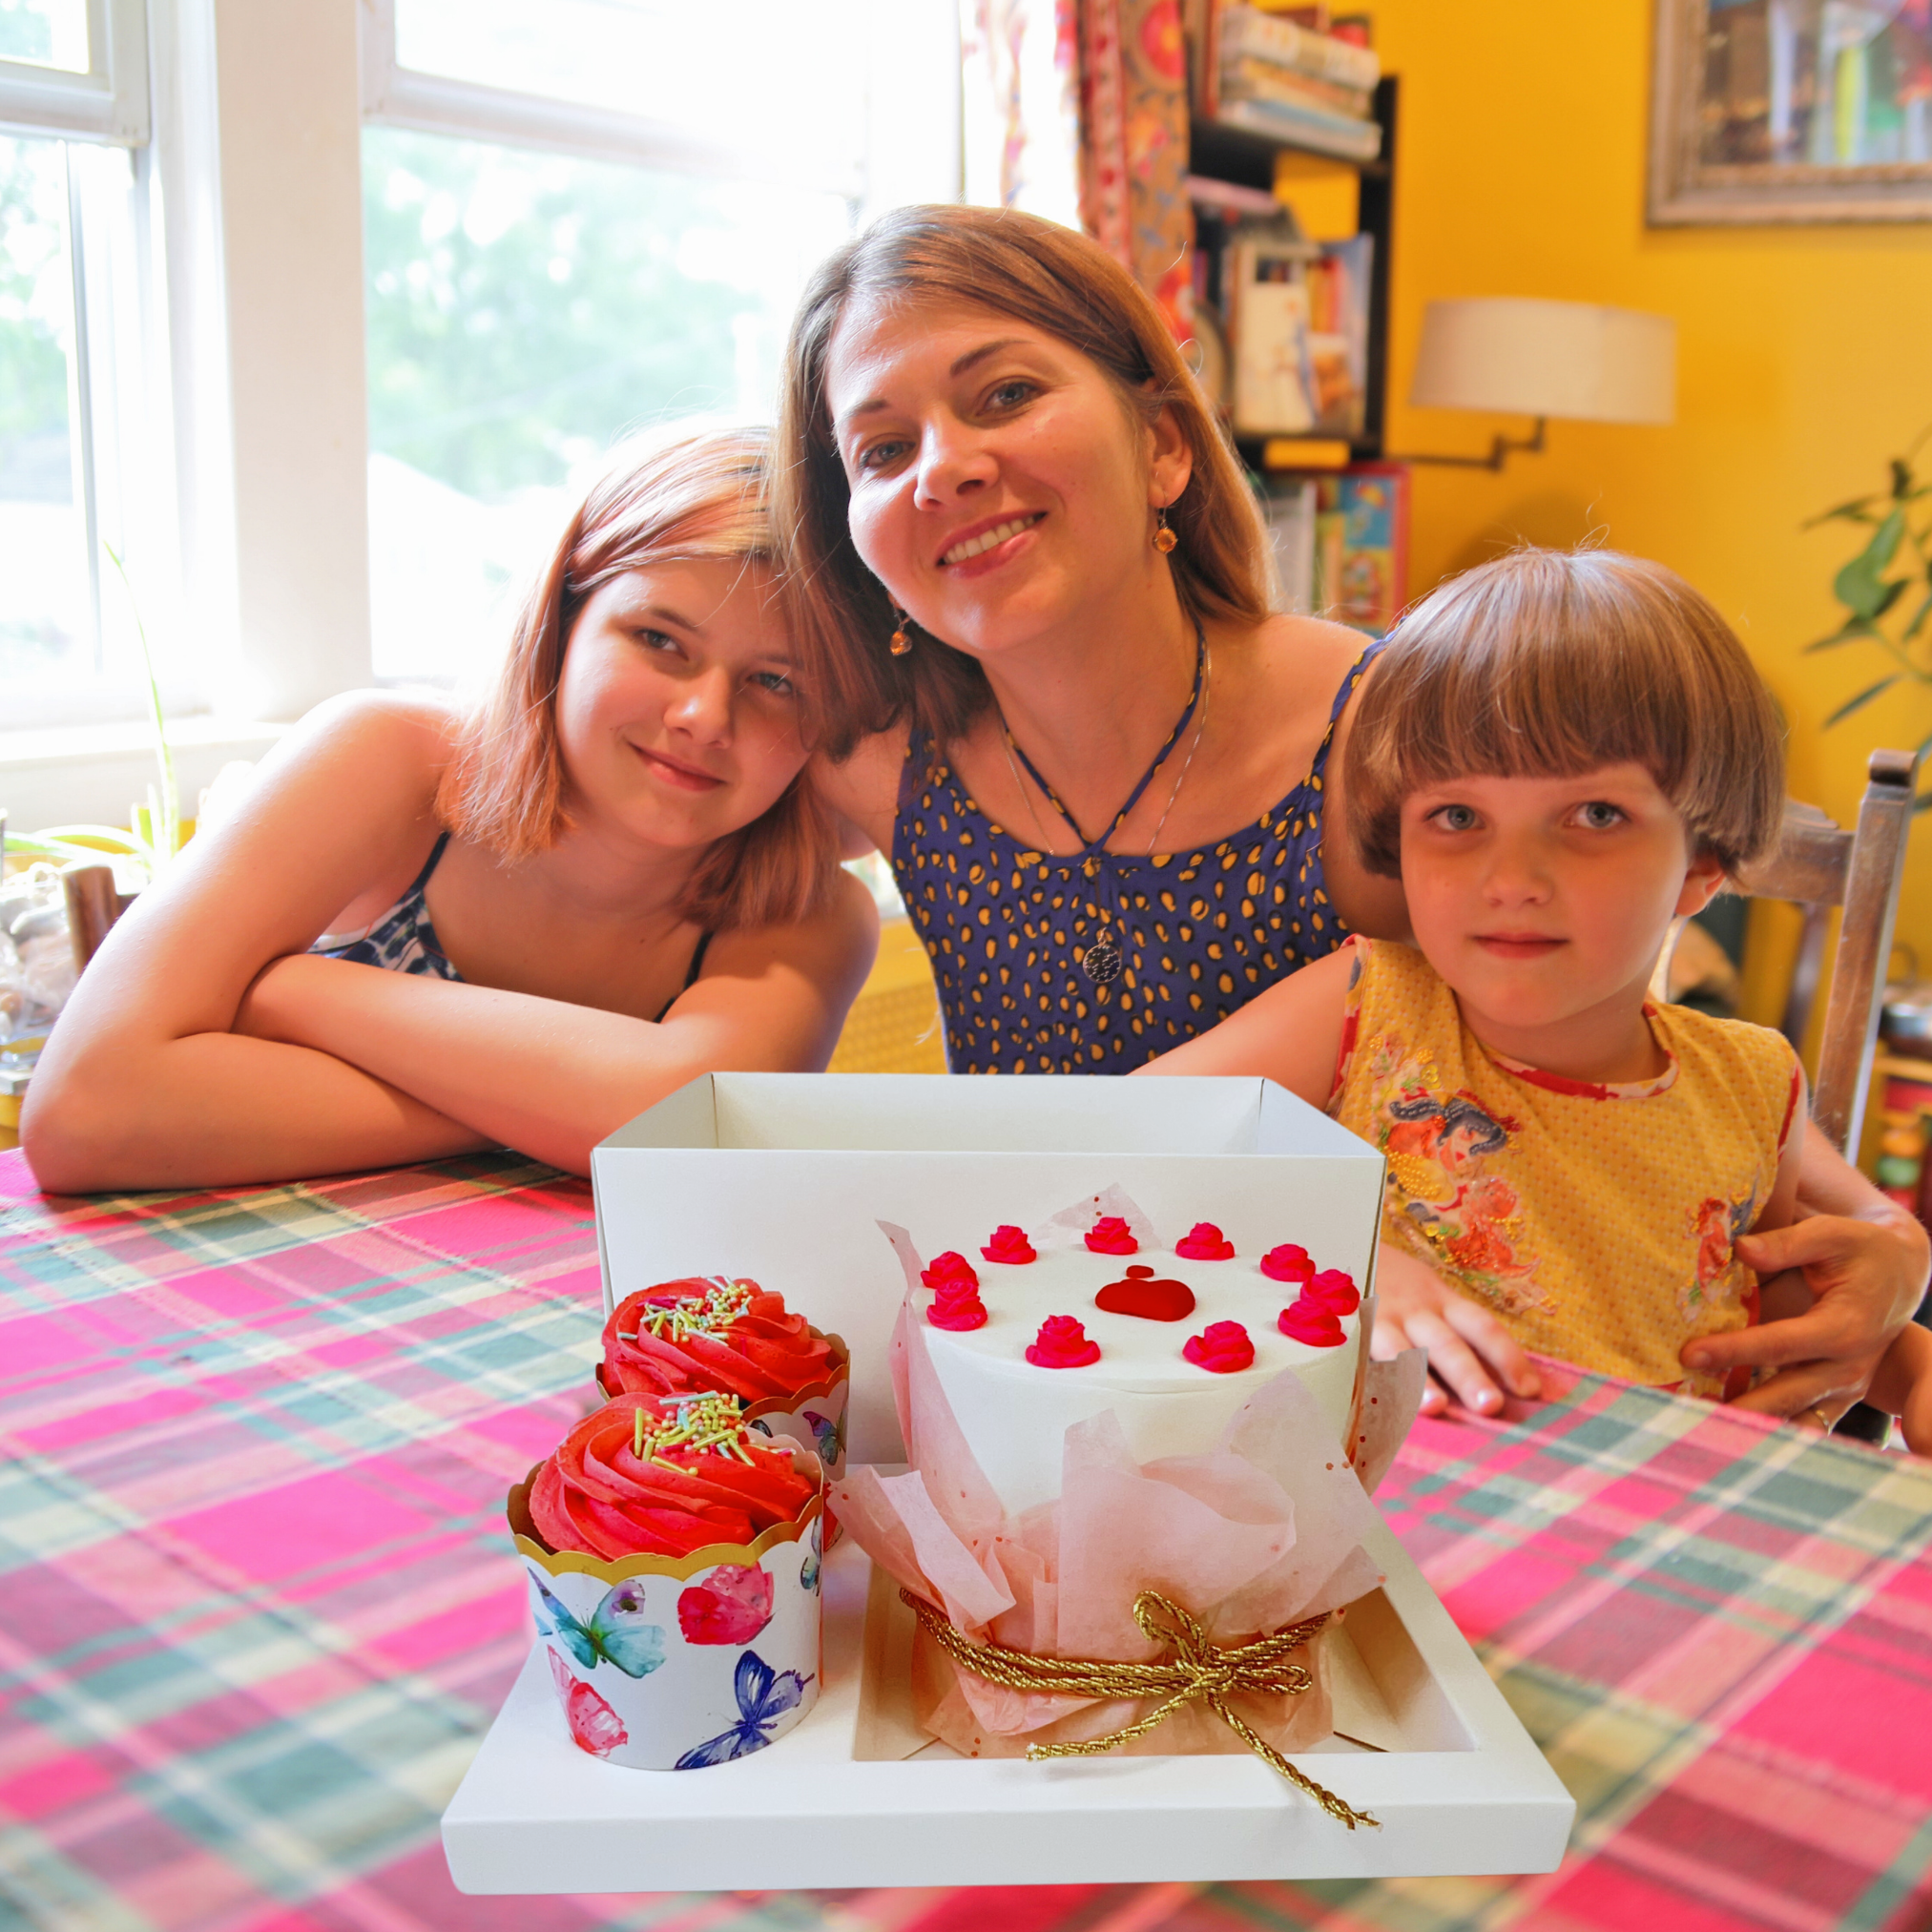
{"points": [[1551, 663]]}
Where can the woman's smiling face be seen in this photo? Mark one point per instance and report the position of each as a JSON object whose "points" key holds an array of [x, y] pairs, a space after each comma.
{"points": [[1000, 483], [677, 716]]}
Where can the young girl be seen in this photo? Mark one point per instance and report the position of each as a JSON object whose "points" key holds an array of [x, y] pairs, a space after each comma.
{"points": [[1560, 755], [426, 932]]}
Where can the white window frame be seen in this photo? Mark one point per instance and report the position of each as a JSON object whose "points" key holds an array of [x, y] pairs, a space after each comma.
{"points": [[107, 103], [908, 151], [399, 96]]}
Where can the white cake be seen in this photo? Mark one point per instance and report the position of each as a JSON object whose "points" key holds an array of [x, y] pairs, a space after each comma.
{"points": [[1015, 1414]]}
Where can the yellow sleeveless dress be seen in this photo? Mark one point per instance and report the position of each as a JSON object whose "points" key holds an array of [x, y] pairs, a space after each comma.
{"points": [[1595, 1221]]}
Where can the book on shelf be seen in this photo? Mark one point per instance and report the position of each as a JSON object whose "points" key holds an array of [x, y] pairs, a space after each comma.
{"points": [[1245, 32], [1298, 329], [1288, 511], [1361, 546], [1311, 128], [1269, 322], [1246, 78]]}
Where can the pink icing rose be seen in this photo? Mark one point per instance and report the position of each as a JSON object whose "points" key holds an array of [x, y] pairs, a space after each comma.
{"points": [[1309, 1321], [1334, 1291], [731, 1606], [1110, 1235], [1287, 1263], [1204, 1243], [956, 1305], [595, 1726], [1222, 1347], [1062, 1343], [1010, 1245], [949, 1267]]}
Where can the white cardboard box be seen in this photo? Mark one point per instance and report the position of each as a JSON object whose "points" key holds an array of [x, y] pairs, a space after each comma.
{"points": [[782, 1177]]}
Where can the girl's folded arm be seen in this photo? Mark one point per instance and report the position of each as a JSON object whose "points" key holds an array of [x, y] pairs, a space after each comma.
{"points": [[143, 1084], [1290, 1034], [551, 1078]]}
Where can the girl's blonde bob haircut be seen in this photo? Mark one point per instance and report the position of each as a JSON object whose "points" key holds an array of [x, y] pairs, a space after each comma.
{"points": [[1056, 281], [1552, 663], [700, 498]]}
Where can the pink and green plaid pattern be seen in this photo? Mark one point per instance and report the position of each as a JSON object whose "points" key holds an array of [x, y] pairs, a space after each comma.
{"points": [[257, 1604]]}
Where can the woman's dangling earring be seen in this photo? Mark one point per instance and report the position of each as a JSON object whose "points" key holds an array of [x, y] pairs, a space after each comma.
{"points": [[900, 642], [1164, 539]]}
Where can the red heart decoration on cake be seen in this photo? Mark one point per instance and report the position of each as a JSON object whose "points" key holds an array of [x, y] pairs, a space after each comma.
{"points": [[1146, 1294]]}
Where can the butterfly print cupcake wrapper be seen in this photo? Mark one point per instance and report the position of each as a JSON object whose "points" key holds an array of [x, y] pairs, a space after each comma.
{"points": [[666, 1663]]}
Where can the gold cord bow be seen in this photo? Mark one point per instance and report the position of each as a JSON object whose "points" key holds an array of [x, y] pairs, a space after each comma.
{"points": [[1194, 1669]]}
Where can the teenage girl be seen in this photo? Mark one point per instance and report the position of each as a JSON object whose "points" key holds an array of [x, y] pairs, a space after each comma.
{"points": [[426, 933], [1560, 755]]}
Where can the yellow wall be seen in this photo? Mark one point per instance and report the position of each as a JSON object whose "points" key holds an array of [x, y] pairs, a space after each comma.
{"points": [[1804, 356]]}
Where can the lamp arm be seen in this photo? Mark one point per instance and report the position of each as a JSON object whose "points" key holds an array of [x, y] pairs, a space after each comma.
{"points": [[1499, 452]]}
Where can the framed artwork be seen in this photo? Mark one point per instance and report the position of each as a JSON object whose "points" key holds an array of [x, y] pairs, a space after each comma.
{"points": [[1780, 110]]}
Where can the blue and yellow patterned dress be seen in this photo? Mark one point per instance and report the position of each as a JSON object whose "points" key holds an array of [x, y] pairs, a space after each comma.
{"points": [[1200, 932]]}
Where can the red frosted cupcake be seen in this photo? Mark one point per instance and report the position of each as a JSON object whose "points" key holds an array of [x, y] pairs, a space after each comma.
{"points": [[729, 1336], [664, 1475]]}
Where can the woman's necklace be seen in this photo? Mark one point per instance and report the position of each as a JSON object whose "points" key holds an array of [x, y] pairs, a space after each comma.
{"points": [[1101, 961]]}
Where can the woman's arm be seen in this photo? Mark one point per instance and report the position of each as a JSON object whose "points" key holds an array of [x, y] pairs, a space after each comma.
{"points": [[143, 1084], [1290, 1034], [1865, 1262], [553, 1079]]}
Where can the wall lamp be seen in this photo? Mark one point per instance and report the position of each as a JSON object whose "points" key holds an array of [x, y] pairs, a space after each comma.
{"points": [[1515, 356]]}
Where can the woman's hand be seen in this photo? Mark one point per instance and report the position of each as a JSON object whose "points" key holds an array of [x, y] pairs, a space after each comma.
{"points": [[1472, 1357], [1864, 1278], [1863, 1261]]}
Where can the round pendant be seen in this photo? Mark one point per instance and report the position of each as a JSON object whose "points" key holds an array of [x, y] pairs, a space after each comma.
{"points": [[1101, 962]]}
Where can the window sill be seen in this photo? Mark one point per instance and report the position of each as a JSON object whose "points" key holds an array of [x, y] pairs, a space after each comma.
{"points": [[92, 774]]}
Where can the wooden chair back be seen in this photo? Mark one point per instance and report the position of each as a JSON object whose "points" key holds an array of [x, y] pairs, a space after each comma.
{"points": [[1818, 866]]}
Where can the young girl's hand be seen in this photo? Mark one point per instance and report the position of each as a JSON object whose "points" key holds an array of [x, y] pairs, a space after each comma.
{"points": [[1472, 1357]]}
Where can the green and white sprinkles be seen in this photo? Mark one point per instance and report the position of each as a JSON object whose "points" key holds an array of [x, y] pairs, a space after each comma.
{"points": [[697, 1422]]}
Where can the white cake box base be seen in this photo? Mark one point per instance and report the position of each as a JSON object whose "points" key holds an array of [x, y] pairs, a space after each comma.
{"points": [[783, 1179], [1456, 1783]]}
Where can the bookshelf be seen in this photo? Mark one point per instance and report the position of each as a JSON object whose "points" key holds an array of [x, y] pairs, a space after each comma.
{"points": [[1220, 153]]}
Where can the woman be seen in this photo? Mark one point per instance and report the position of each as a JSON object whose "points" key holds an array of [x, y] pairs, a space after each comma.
{"points": [[427, 933], [1102, 770]]}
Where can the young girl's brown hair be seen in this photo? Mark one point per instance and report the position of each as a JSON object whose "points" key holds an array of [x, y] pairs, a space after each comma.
{"points": [[699, 498], [1552, 663], [1059, 282]]}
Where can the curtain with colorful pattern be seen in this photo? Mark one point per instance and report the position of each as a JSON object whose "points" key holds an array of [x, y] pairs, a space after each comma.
{"points": [[1077, 110]]}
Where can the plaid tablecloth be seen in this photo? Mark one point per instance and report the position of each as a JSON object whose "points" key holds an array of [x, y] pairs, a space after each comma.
{"points": [[256, 1602]]}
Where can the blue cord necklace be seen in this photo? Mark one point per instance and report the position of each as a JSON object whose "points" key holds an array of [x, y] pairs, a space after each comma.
{"points": [[1101, 961]]}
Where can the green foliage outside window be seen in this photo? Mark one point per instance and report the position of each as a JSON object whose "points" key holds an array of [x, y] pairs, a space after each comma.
{"points": [[524, 311]]}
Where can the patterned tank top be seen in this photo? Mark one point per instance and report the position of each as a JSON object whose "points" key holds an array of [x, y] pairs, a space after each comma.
{"points": [[1595, 1221], [404, 939], [1200, 933]]}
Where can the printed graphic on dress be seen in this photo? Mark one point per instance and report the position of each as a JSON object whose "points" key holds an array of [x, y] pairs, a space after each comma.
{"points": [[1437, 1145]]}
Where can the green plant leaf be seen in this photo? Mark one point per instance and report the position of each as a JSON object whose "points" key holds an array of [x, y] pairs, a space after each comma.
{"points": [[1919, 618], [1922, 802], [1860, 586], [1858, 510], [1848, 632], [1863, 699]]}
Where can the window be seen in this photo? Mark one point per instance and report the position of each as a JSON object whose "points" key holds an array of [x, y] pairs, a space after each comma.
{"points": [[584, 220], [75, 429]]}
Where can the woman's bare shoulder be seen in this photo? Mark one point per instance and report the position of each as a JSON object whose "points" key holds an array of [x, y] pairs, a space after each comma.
{"points": [[1291, 652], [863, 788]]}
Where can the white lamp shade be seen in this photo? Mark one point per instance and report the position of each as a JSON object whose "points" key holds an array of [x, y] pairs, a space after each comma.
{"points": [[1567, 358]]}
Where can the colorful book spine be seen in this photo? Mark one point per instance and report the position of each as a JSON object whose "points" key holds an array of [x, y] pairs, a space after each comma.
{"points": [[1246, 78], [1311, 128], [1242, 31]]}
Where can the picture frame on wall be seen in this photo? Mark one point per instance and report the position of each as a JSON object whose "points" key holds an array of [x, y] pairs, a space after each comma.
{"points": [[1790, 111]]}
